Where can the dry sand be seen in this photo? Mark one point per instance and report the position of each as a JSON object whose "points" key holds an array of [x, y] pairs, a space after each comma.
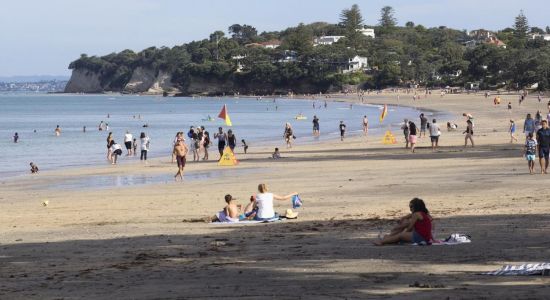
{"points": [[140, 242]]}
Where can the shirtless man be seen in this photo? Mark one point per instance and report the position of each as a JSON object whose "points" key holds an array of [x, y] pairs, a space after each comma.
{"points": [[365, 125], [180, 151]]}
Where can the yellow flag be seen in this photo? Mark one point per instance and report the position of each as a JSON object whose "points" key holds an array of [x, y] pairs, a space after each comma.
{"points": [[228, 158], [228, 120]]}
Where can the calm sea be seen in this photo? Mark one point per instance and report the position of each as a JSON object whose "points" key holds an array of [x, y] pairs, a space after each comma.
{"points": [[260, 122]]}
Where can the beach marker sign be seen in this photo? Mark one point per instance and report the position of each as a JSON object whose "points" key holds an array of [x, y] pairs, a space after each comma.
{"points": [[224, 115], [389, 139], [228, 158]]}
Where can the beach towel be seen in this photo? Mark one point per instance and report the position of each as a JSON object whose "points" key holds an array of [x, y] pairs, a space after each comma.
{"points": [[541, 269], [453, 239], [246, 222]]}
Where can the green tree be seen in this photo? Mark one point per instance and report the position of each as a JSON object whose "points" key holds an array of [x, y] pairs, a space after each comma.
{"points": [[387, 19], [521, 28], [352, 20]]}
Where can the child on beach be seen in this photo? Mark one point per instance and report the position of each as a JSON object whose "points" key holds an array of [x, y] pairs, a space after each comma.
{"points": [[57, 131], [15, 137], [34, 168], [342, 128], [134, 146], [530, 150], [245, 146], [512, 131], [276, 154], [415, 227]]}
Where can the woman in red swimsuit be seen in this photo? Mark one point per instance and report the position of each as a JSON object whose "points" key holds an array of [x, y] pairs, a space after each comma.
{"points": [[413, 228]]}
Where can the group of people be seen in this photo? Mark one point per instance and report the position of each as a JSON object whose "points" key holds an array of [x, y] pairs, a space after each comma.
{"points": [[260, 207], [537, 134], [412, 133], [114, 150]]}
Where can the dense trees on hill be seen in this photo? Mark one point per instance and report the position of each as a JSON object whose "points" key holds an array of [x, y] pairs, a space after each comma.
{"points": [[397, 56]]}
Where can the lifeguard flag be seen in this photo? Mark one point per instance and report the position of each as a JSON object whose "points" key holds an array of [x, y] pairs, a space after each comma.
{"points": [[224, 115], [384, 113]]}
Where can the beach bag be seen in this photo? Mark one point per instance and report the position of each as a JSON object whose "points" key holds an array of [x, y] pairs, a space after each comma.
{"points": [[296, 201]]}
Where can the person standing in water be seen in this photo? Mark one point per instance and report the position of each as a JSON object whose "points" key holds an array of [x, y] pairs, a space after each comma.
{"points": [[288, 135], [365, 125], [180, 150], [316, 131], [109, 140], [144, 142], [342, 128], [15, 137], [128, 142], [57, 131], [116, 151], [222, 139]]}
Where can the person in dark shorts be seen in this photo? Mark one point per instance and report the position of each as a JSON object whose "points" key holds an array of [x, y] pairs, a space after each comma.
{"points": [[116, 151], [231, 140], [423, 124], [543, 141], [315, 126], [180, 151], [222, 138], [342, 127]]}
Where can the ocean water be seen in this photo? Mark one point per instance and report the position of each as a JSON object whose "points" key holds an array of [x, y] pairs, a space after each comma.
{"points": [[35, 116]]}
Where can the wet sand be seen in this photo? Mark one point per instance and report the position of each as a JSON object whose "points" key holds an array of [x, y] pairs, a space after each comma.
{"points": [[143, 241]]}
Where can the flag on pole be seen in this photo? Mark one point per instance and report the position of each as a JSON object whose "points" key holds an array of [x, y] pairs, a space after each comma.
{"points": [[224, 115], [384, 113]]}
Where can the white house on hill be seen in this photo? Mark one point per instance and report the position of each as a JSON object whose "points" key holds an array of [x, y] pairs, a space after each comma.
{"points": [[327, 40], [367, 32], [358, 63]]}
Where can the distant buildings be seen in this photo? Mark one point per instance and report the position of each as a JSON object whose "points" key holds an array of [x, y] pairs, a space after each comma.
{"points": [[535, 36], [367, 32], [272, 44], [331, 39], [483, 36]]}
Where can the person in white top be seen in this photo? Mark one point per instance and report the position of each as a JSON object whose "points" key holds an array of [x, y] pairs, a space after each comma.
{"points": [[116, 150], [144, 141], [435, 132], [128, 142], [264, 203]]}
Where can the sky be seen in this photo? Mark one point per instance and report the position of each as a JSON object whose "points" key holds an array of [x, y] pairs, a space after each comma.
{"points": [[40, 37]]}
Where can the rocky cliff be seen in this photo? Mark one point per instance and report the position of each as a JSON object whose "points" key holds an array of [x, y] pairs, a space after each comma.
{"points": [[84, 81]]}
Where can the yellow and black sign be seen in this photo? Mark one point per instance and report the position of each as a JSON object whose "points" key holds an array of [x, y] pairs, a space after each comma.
{"points": [[228, 158]]}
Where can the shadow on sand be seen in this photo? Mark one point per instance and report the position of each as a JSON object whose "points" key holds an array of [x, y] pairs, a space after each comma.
{"points": [[287, 260]]}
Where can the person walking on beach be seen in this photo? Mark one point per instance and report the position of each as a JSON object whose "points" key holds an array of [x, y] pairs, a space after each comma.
{"points": [[144, 141], [469, 133], [177, 138], [543, 142], [316, 131], [528, 125], [180, 150], [116, 151], [245, 146], [412, 135], [509, 106], [57, 131], [435, 132], [423, 124], [231, 140], [222, 138], [109, 140], [15, 137], [512, 131], [342, 128], [365, 125], [288, 135], [406, 132], [128, 142], [530, 150]]}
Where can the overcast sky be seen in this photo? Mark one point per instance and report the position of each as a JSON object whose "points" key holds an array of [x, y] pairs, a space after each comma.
{"points": [[43, 37]]}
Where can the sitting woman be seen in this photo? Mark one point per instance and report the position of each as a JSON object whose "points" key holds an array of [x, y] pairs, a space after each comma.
{"points": [[413, 228], [264, 203]]}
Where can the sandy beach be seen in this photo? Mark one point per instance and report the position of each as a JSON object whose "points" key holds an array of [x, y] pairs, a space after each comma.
{"points": [[145, 241]]}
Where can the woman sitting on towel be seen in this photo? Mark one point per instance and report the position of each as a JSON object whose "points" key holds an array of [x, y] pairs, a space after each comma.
{"points": [[264, 203], [413, 228]]}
